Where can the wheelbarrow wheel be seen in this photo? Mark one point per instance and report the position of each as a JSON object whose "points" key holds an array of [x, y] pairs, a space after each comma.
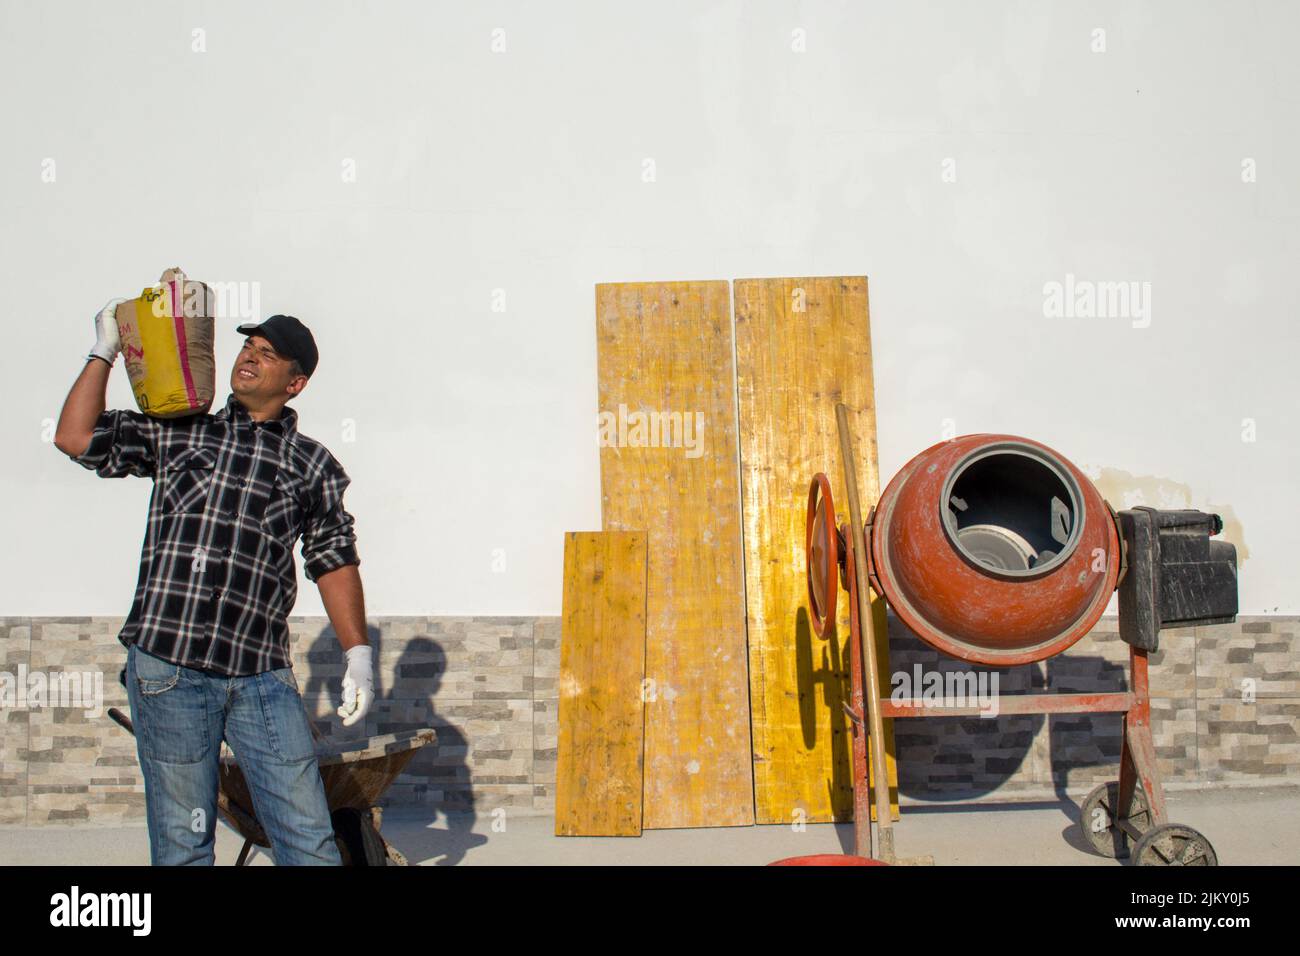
{"points": [[1097, 819], [358, 841]]}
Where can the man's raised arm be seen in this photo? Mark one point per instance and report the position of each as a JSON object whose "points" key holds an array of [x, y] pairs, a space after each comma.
{"points": [[82, 408], [112, 444]]}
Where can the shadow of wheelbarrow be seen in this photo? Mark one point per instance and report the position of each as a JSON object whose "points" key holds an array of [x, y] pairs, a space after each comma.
{"points": [[355, 773]]}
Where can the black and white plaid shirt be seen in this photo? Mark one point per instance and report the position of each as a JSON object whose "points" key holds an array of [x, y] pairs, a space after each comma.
{"points": [[231, 497]]}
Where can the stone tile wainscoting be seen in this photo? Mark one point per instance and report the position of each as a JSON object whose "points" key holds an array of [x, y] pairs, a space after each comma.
{"points": [[1226, 708]]}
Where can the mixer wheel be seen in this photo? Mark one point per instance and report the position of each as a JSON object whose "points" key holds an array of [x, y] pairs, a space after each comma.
{"points": [[1097, 819], [1172, 844]]}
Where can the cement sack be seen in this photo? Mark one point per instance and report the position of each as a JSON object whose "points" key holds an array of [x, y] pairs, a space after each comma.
{"points": [[167, 343]]}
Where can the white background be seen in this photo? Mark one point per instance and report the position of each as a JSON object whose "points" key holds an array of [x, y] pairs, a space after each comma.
{"points": [[522, 171]]}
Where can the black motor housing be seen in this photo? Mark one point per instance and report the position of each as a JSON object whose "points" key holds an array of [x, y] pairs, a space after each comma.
{"points": [[1176, 576]]}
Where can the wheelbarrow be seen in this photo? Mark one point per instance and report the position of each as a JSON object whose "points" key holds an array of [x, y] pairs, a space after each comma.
{"points": [[355, 773]]}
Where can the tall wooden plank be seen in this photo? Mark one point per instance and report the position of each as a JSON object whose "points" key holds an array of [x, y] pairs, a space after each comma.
{"points": [[668, 465], [602, 664], [802, 345]]}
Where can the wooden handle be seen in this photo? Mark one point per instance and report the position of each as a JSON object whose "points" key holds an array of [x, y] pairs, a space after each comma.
{"points": [[867, 628]]}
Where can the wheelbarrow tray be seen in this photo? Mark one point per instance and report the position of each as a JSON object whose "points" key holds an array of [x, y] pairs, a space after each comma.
{"points": [[356, 773]]}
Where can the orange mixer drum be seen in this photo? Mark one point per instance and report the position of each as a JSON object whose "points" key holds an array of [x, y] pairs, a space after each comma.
{"points": [[995, 549]]}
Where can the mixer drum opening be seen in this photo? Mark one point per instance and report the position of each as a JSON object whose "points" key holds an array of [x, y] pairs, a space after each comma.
{"points": [[1012, 509]]}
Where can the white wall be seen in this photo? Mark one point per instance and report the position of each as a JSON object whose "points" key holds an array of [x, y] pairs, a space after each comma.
{"points": [[522, 170]]}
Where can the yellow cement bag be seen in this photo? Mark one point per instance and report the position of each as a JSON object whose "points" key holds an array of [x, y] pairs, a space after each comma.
{"points": [[167, 344]]}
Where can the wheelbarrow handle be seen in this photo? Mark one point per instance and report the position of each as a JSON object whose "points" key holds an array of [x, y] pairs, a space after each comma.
{"points": [[122, 719]]}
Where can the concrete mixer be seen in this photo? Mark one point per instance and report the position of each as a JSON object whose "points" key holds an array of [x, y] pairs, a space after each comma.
{"points": [[995, 549]]}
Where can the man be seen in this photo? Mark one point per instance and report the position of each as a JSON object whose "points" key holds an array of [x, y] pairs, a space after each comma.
{"points": [[207, 636]]}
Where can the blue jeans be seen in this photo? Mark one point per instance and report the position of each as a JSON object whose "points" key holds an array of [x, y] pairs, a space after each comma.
{"points": [[181, 715]]}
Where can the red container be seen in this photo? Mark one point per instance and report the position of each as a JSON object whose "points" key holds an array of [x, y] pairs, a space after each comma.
{"points": [[994, 549]]}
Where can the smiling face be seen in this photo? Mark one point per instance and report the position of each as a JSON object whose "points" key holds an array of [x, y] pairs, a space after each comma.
{"points": [[261, 377]]}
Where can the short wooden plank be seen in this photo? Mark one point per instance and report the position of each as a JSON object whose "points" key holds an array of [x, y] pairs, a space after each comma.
{"points": [[602, 664], [802, 345], [665, 352]]}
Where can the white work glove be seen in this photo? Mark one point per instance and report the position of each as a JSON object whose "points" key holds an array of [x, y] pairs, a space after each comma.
{"points": [[358, 685], [107, 341]]}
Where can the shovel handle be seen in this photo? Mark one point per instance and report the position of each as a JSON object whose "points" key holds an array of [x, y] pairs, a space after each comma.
{"points": [[867, 627]]}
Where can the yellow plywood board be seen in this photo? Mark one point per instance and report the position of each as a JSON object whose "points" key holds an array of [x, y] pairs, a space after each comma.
{"points": [[668, 465], [602, 661], [802, 345]]}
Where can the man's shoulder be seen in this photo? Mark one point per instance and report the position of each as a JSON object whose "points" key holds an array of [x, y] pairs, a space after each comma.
{"points": [[312, 458], [182, 421], [177, 430], [199, 420], [179, 433]]}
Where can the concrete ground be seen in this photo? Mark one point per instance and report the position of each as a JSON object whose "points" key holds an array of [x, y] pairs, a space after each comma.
{"points": [[1255, 825]]}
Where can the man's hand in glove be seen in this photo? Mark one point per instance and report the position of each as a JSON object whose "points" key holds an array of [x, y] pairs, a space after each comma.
{"points": [[358, 685], [107, 341]]}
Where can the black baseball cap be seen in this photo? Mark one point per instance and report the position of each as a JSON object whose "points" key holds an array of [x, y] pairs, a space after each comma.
{"points": [[289, 337]]}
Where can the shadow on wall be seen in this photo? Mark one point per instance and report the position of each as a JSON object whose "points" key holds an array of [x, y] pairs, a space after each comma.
{"points": [[950, 759], [438, 776]]}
